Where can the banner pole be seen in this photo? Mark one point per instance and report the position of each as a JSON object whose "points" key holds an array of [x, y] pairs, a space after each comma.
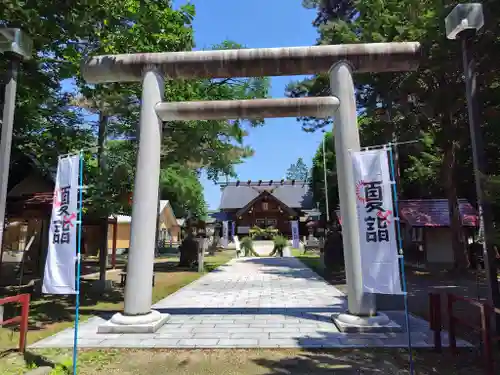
{"points": [[401, 254], [78, 263]]}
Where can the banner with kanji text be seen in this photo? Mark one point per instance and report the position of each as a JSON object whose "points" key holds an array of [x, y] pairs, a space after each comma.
{"points": [[378, 242], [59, 276]]}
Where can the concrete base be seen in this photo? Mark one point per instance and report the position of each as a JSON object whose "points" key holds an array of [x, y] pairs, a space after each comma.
{"points": [[357, 324], [120, 323]]}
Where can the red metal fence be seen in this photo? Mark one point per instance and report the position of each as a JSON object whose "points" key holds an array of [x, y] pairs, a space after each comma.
{"points": [[486, 312], [24, 300]]}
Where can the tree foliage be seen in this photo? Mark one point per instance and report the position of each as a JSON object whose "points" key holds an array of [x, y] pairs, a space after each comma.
{"points": [[56, 108], [427, 105], [298, 171]]}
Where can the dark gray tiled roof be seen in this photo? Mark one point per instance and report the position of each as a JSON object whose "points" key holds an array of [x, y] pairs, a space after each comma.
{"points": [[295, 194]]}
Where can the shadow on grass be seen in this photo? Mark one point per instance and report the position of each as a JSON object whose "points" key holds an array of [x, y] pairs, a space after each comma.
{"points": [[369, 361], [50, 309]]}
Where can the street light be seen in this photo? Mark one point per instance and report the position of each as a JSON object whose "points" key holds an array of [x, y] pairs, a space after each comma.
{"points": [[15, 46], [326, 182], [463, 22]]}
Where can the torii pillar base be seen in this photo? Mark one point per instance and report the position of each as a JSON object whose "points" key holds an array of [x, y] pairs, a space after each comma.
{"points": [[379, 323], [148, 323]]}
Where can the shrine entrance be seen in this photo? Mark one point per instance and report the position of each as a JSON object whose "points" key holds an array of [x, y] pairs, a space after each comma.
{"points": [[340, 61]]}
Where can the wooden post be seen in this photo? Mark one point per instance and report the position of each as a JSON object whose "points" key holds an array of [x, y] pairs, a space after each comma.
{"points": [[452, 331], [23, 326], [113, 254], [435, 319], [486, 337]]}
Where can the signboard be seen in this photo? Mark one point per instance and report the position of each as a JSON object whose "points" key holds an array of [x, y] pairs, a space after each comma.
{"points": [[225, 233], [59, 276], [295, 234], [243, 230], [378, 242]]}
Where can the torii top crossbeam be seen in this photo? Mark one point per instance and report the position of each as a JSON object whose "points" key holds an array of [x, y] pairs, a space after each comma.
{"points": [[254, 62]]}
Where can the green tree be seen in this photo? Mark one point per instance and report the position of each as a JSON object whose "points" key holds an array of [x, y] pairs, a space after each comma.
{"points": [[317, 180], [182, 187], [436, 112], [298, 171]]}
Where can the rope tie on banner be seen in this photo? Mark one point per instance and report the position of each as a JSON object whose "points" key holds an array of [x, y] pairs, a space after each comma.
{"points": [[390, 144], [400, 250]]}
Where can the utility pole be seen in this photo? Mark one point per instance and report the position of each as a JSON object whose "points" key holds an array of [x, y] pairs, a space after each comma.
{"points": [[326, 182], [464, 21], [16, 46]]}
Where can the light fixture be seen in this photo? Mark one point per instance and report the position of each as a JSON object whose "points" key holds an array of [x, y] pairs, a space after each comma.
{"points": [[14, 40]]}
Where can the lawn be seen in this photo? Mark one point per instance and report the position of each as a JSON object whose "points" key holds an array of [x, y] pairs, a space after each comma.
{"points": [[49, 315], [251, 362]]}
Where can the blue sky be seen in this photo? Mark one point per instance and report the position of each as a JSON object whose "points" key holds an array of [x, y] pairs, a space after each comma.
{"points": [[261, 23]]}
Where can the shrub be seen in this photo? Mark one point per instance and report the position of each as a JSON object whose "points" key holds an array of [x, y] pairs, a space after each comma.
{"points": [[280, 243], [247, 246]]}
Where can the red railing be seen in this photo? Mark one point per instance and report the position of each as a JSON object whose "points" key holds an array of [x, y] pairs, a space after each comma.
{"points": [[435, 322], [24, 300], [486, 311]]}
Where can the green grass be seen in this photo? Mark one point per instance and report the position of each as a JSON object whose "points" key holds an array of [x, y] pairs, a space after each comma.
{"points": [[49, 315], [311, 259], [255, 362]]}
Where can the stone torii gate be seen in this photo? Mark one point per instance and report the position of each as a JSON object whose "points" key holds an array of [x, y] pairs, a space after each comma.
{"points": [[340, 61]]}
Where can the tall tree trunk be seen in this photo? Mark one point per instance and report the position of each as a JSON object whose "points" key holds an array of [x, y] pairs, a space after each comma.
{"points": [[461, 260]]}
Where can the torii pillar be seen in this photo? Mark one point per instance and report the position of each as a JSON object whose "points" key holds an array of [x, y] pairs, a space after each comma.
{"points": [[150, 68]]}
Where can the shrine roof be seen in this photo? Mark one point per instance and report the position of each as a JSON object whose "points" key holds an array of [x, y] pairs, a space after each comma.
{"points": [[434, 213], [293, 193]]}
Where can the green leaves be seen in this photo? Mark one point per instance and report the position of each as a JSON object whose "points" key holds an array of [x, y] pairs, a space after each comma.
{"points": [[298, 171]]}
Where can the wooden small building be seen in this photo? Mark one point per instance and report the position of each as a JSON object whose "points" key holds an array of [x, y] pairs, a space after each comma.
{"points": [[426, 231], [169, 229], [266, 204]]}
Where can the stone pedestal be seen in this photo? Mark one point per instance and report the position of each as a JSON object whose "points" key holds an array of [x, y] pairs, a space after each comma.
{"points": [[379, 323], [148, 323]]}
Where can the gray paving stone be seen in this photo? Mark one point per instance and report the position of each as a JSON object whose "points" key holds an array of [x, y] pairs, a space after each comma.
{"points": [[238, 343], [120, 343], [279, 343], [216, 335], [250, 303], [160, 343], [361, 342], [260, 335], [198, 343], [235, 325]]}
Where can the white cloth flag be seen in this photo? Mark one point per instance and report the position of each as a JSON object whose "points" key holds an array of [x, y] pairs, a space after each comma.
{"points": [[295, 234], [378, 242], [59, 276], [225, 233]]}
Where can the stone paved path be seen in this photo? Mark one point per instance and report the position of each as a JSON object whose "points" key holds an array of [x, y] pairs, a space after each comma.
{"points": [[250, 302]]}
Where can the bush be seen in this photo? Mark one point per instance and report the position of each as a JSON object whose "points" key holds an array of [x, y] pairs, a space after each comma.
{"points": [[247, 246], [280, 243]]}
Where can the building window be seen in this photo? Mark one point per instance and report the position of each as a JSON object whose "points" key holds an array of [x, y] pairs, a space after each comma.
{"points": [[260, 222], [265, 206], [417, 234], [272, 222]]}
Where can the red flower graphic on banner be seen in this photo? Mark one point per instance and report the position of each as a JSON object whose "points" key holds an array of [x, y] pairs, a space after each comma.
{"points": [[360, 194], [57, 200]]}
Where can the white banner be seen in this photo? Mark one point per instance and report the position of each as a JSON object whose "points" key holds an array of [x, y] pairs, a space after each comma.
{"points": [[59, 276], [225, 233], [295, 234], [233, 229], [378, 242]]}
